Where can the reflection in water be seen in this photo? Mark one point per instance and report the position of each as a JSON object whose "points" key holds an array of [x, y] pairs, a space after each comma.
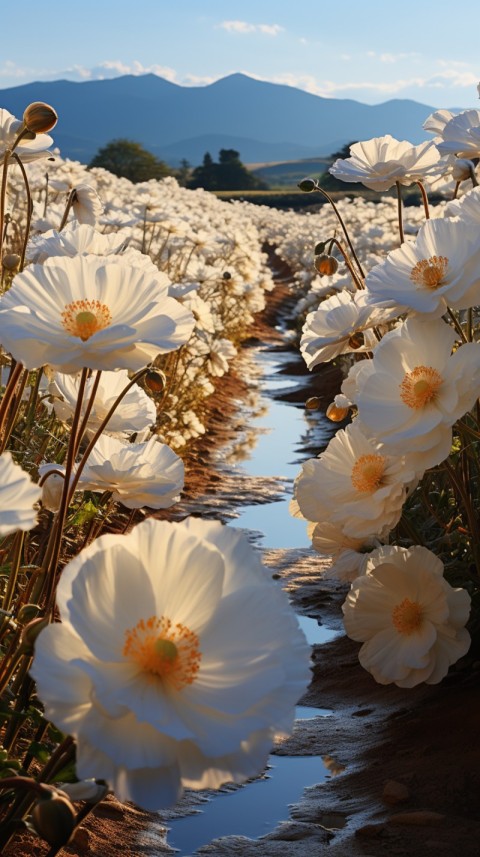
{"points": [[252, 811], [275, 430], [314, 632], [334, 767]]}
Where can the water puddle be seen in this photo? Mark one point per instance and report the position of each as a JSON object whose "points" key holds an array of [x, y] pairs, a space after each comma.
{"points": [[279, 432], [252, 811]]}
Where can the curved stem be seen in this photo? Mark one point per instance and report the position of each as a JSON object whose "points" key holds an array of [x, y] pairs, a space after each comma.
{"points": [[29, 210], [3, 194], [344, 228], [358, 283], [400, 212], [79, 469], [10, 391], [70, 201], [425, 200]]}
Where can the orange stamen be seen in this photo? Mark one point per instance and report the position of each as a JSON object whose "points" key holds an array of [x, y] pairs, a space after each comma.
{"points": [[430, 272], [165, 650], [420, 386], [84, 318], [367, 472]]}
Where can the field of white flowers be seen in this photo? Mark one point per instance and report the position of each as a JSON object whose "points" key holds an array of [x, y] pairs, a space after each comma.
{"points": [[148, 657]]}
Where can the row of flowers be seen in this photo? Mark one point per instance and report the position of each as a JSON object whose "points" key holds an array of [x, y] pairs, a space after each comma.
{"points": [[405, 469], [177, 661]]}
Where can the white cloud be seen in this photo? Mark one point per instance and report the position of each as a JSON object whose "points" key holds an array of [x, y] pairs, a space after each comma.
{"points": [[244, 27], [11, 69]]}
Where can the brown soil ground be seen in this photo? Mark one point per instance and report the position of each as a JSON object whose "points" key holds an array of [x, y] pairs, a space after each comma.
{"points": [[404, 764]]}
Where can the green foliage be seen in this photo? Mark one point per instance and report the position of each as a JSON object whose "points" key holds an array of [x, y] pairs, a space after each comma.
{"points": [[228, 174], [128, 159]]}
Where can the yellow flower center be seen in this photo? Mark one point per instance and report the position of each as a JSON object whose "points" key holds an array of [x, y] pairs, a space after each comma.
{"points": [[367, 472], [430, 272], [420, 386], [84, 318], [407, 616], [165, 650]]}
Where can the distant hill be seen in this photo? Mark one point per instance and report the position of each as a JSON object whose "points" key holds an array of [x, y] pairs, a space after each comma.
{"points": [[263, 121]]}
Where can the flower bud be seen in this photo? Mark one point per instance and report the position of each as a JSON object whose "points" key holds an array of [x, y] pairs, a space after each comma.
{"points": [[462, 169], [27, 613], [39, 117], [356, 340], [313, 403], [336, 414], [11, 261], [53, 818], [307, 185], [326, 264], [155, 380], [30, 634]]}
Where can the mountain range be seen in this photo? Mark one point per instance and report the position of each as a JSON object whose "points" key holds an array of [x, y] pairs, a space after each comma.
{"points": [[263, 121]]}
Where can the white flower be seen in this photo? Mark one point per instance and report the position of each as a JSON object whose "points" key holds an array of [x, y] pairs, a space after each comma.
{"points": [[436, 121], [409, 619], [417, 389], [342, 323], [138, 474], [356, 484], [349, 554], [467, 207], [381, 162], [177, 663], [222, 351], [77, 238], [87, 205], [135, 412], [90, 311], [18, 496], [440, 269], [461, 135]]}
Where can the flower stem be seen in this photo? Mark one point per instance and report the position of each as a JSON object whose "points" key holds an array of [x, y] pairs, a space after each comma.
{"points": [[400, 212]]}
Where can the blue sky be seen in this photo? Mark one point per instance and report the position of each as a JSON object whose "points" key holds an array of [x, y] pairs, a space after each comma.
{"points": [[370, 51]]}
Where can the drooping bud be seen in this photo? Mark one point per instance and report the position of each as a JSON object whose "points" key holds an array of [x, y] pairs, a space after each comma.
{"points": [[53, 818], [27, 613], [11, 261], [462, 169], [313, 403], [335, 413], [325, 264], [30, 634], [39, 117], [356, 340], [307, 185], [155, 380]]}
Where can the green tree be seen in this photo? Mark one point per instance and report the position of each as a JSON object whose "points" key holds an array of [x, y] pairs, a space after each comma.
{"points": [[228, 174], [128, 159], [205, 175]]}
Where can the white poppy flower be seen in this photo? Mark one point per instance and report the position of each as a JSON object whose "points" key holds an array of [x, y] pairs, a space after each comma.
{"points": [[18, 496], [356, 484], [77, 238], [177, 663], [409, 619], [440, 269], [417, 389], [342, 323], [461, 135], [90, 311], [382, 161], [138, 474], [135, 412]]}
